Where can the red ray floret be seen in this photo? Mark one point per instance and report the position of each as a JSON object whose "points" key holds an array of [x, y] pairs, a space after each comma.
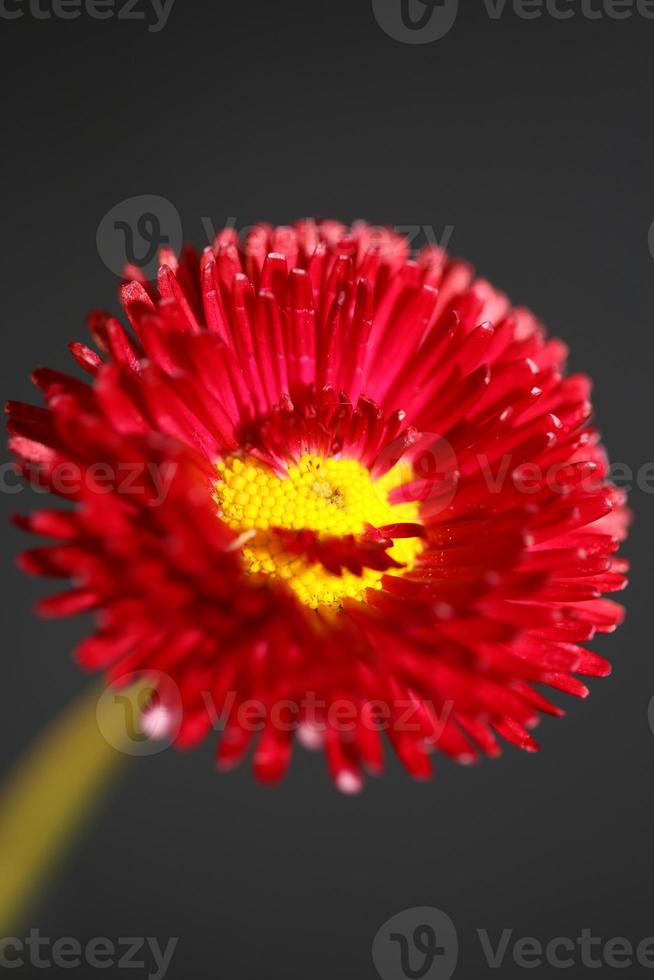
{"points": [[336, 343]]}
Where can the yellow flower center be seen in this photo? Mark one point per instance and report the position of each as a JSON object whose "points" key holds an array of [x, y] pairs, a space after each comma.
{"points": [[333, 497]]}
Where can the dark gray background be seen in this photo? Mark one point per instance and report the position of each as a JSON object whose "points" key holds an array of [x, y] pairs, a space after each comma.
{"points": [[532, 138]]}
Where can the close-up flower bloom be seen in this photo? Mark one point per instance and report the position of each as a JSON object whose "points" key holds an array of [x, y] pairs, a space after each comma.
{"points": [[351, 485]]}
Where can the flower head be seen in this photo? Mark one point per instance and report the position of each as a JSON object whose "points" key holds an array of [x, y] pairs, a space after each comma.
{"points": [[349, 488]]}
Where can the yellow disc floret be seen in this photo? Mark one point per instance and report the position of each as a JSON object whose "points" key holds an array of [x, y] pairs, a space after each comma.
{"points": [[333, 497]]}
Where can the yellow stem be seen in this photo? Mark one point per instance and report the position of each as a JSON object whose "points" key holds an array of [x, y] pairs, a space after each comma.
{"points": [[48, 797]]}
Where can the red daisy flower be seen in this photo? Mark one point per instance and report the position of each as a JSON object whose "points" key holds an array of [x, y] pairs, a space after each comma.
{"points": [[348, 487]]}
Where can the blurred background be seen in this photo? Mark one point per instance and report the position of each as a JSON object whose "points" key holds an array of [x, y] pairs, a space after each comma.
{"points": [[526, 144]]}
